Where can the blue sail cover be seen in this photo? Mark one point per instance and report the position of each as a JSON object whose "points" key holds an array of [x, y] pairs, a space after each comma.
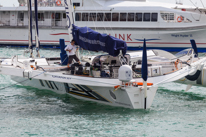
{"points": [[91, 40], [194, 46]]}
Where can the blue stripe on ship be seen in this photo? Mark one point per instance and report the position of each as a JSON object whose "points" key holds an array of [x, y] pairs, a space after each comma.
{"points": [[170, 49]]}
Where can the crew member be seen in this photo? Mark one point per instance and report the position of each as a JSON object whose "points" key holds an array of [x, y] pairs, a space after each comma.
{"points": [[71, 52], [176, 64]]}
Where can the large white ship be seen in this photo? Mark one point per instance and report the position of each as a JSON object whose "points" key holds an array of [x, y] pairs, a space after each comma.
{"points": [[166, 26]]}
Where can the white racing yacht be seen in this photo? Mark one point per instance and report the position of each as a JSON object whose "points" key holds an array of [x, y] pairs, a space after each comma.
{"points": [[117, 78], [105, 80], [167, 26], [197, 78]]}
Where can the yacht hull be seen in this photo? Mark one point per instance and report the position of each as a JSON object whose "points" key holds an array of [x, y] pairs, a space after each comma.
{"points": [[128, 97]]}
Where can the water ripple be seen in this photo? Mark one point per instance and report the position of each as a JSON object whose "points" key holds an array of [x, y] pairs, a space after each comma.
{"points": [[27, 111]]}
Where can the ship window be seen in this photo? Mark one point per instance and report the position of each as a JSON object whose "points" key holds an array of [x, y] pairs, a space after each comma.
{"points": [[146, 16], [92, 17], [115, 16], [138, 17], [47, 15], [76, 4], [57, 17], [171, 16], [85, 16], [21, 16], [64, 16], [78, 17], [168, 16], [100, 16], [130, 17], [123, 16], [164, 16], [154, 17], [40, 16], [107, 17]]}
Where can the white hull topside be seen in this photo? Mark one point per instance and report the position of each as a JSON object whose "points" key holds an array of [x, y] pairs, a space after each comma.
{"points": [[166, 26], [129, 97]]}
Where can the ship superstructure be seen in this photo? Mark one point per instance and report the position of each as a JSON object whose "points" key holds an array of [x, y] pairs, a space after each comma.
{"points": [[168, 26]]}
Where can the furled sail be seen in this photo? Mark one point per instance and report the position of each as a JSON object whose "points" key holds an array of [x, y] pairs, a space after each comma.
{"points": [[70, 16], [91, 40], [30, 27], [36, 28]]}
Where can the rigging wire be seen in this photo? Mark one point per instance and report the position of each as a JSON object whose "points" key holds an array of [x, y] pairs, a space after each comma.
{"points": [[92, 17], [198, 9], [106, 19], [193, 3], [202, 4]]}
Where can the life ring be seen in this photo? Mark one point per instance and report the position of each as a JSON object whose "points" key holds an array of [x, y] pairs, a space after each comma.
{"points": [[53, 15], [179, 19], [58, 2]]}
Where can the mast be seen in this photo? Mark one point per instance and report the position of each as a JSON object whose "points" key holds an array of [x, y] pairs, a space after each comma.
{"points": [[30, 27], [36, 29], [70, 18], [144, 71]]}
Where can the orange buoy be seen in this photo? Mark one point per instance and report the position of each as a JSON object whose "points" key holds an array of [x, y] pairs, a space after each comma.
{"points": [[116, 86], [141, 83], [33, 67], [58, 2], [179, 19]]}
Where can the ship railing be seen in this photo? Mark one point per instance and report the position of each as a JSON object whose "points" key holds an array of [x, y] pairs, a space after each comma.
{"points": [[174, 18], [45, 4], [58, 23], [4, 21], [20, 22], [50, 4], [46, 22], [51, 23]]}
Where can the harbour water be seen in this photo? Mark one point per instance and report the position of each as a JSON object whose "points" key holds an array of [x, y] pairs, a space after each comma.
{"points": [[27, 111]]}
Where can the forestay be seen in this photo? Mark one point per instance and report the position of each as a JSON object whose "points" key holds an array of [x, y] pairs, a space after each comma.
{"points": [[91, 40]]}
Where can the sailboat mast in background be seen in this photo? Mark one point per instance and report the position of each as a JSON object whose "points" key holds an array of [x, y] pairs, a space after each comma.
{"points": [[70, 17], [30, 27], [36, 28]]}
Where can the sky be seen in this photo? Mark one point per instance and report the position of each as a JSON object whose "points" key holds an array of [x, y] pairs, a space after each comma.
{"points": [[11, 3]]}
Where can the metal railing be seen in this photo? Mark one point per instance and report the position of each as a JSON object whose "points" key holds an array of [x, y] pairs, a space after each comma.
{"points": [[4, 21], [46, 4], [44, 23]]}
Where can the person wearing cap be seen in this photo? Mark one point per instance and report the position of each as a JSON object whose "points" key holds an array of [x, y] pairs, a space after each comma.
{"points": [[71, 52]]}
